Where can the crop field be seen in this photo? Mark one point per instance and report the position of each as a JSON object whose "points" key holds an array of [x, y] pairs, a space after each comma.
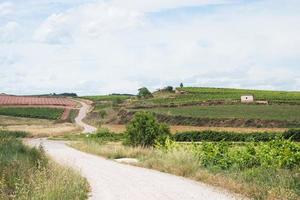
{"points": [[107, 97], [197, 94], [241, 111], [33, 112], [6, 100]]}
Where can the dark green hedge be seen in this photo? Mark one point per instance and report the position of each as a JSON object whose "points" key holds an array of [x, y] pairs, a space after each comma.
{"points": [[216, 136]]}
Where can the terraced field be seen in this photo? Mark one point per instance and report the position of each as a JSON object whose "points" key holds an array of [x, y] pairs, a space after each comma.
{"points": [[266, 112], [198, 94]]}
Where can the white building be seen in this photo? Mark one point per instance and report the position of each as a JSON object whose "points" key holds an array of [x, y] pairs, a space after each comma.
{"points": [[247, 98]]}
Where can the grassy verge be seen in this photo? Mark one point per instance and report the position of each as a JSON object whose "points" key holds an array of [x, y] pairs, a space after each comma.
{"points": [[26, 173], [269, 170], [30, 112]]}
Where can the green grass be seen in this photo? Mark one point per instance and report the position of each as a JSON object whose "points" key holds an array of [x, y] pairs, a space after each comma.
{"points": [[196, 94], [32, 112], [107, 97], [26, 173], [256, 170], [240, 111]]}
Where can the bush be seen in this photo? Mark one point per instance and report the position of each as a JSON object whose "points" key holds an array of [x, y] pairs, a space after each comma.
{"points": [[217, 136], [104, 135], [293, 134], [144, 93], [144, 130]]}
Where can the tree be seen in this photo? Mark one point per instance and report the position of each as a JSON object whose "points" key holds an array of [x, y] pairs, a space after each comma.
{"points": [[144, 93], [181, 85], [144, 130]]}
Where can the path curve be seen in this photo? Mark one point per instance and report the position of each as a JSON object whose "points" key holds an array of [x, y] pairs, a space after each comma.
{"points": [[84, 110], [110, 180]]}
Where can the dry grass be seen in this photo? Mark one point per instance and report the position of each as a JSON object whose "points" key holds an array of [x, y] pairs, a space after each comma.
{"points": [[37, 127], [181, 162], [174, 129], [111, 150]]}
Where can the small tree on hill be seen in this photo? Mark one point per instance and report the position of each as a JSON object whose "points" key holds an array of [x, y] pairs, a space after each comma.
{"points": [[181, 85], [144, 93], [144, 130]]}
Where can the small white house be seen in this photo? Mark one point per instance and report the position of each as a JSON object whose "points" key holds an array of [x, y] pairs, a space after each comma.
{"points": [[247, 98]]}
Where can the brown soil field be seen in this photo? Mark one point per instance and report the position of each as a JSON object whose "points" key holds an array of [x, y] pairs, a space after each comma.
{"points": [[174, 129], [8, 100]]}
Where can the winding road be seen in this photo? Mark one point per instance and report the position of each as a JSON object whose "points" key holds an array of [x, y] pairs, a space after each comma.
{"points": [[110, 180], [84, 110]]}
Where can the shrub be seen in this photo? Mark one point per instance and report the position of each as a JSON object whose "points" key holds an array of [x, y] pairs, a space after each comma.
{"points": [[293, 134], [144, 93], [217, 136], [144, 130], [104, 135]]}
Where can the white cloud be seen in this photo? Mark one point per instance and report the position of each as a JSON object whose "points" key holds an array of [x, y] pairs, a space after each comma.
{"points": [[9, 32], [89, 21], [6, 8], [113, 47]]}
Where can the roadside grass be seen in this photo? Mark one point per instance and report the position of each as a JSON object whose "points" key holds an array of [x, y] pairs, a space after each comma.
{"points": [[258, 170], [26, 173], [240, 111], [33, 112]]}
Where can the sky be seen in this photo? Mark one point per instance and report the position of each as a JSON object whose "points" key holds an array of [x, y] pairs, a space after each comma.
{"points": [[117, 46]]}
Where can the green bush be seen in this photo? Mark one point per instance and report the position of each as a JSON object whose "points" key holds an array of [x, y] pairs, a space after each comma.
{"points": [[104, 135], [293, 134], [144, 130], [217, 136]]}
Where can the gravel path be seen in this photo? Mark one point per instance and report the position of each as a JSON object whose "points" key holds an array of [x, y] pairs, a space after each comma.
{"points": [[85, 108], [110, 180]]}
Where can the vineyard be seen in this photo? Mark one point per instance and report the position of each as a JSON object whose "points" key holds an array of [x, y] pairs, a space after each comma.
{"points": [[197, 94], [240, 111], [33, 112]]}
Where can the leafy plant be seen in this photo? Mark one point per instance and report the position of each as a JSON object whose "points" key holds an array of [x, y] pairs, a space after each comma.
{"points": [[144, 130]]}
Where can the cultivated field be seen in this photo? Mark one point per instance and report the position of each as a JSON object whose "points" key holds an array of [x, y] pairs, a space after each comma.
{"points": [[241, 111], [33, 112], [6, 100], [196, 95]]}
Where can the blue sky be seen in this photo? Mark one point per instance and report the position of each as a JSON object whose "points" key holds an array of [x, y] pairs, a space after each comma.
{"points": [[106, 46]]}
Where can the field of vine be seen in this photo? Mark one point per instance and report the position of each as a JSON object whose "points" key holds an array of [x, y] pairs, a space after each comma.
{"points": [[197, 94], [241, 111], [33, 112]]}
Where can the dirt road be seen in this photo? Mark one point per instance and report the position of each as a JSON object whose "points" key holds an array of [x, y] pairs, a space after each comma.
{"points": [[110, 180], [85, 108]]}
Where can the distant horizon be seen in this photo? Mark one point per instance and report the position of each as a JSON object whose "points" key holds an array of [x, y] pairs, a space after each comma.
{"points": [[125, 93]]}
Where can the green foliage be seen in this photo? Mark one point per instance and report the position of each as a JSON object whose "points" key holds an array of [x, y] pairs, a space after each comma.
{"points": [[196, 94], [144, 93], [26, 173], [217, 136], [181, 85], [104, 135], [32, 112], [144, 130], [240, 111], [107, 97], [293, 134], [13, 134]]}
